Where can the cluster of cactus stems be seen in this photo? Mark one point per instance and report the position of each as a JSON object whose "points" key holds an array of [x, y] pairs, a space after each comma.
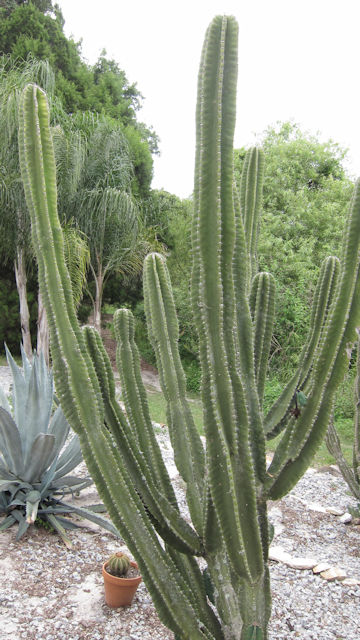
{"points": [[227, 482], [118, 564]]}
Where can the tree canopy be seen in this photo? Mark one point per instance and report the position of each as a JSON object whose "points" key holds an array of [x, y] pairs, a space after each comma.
{"points": [[36, 28]]}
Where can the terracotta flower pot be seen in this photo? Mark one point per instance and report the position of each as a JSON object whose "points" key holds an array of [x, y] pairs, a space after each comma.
{"points": [[119, 592]]}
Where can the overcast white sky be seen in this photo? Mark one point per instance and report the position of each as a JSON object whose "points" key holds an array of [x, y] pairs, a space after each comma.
{"points": [[298, 59]]}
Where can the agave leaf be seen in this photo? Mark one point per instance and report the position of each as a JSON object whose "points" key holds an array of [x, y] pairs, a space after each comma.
{"points": [[17, 502], [5, 474], [73, 482], [19, 390], [37, 408], [47, 477], [6, 484], [10, 443], [93, 517], [26, 364], [23, 525], [97, 508], [69, 459], [59, 427], [41, 456], [67, 524], [7, 522], [60, 529], [4, 403]]}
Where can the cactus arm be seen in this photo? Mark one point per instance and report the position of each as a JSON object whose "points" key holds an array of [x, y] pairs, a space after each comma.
{"points": [[342, 321], [326, 287], [40, 190], [262, 303], [213, 137], [349, 475], [331, 363], [164, 334], [138, 467], [356, 449], [188, 567], [245, 358], [225, 419], [128, 361], [251, 185]]}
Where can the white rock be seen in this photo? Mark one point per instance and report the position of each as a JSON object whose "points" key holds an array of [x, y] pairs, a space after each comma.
{"points": [[351, 582], [302, 563], [279, 555], [314, 506], [334, 573], [346, 518], [322, 566], [10, 627], [335, 511]]}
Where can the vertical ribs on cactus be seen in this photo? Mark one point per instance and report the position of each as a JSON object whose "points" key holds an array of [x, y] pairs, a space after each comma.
{"points": [[227, 482]]}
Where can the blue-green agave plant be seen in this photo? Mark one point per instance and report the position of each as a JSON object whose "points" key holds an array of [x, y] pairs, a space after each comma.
{"points": [[36, 454]]}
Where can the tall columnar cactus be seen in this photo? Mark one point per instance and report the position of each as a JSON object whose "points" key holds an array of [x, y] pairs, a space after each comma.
{"points": [[227, 482]]}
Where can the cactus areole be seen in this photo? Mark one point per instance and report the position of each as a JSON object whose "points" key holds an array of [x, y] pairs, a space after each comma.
{"points": [[227, 483]]}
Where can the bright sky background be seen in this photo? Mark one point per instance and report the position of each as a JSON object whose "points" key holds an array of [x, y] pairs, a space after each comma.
{"points": [[298, 59]]}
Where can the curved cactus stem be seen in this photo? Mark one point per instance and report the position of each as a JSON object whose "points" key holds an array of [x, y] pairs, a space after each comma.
{"points": [[164, 335], [231, 474], [356, 448], [262, 304], [187, 566], [334, 445], [140, 432], [250, 191], [330, 366], [325, 292], [244, 360], [151, 487]]}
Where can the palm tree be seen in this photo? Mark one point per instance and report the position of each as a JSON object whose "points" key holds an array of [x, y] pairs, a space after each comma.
{"points": [[14, 219], [100, 200]]}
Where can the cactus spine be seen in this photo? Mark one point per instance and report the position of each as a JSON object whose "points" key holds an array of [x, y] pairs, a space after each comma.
{"points": [[227, 484]]}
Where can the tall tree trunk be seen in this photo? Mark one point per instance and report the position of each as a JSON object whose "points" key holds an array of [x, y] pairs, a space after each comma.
{"points": [[42, 344], [21, 280], [99, 284]]}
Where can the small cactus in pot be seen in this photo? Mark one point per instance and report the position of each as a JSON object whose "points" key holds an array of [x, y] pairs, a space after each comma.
{"points": [[118, 564], [119, 586]]}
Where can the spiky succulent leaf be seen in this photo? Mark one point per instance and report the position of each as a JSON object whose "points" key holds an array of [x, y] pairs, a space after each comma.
{"points": [[10, 443]]}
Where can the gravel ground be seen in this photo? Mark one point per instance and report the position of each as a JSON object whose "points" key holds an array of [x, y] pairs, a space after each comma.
{"points": [[48, 592]]}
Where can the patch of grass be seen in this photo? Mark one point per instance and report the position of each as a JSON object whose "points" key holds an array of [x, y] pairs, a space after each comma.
{"points": [[157, 408]]}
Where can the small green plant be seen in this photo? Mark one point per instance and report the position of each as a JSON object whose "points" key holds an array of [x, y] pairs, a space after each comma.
{"points": [[36, 456], [118, 564]]}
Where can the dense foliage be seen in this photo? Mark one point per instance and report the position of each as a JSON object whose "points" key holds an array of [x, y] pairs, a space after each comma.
{"points": [[37, 28], [305, 202]]}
